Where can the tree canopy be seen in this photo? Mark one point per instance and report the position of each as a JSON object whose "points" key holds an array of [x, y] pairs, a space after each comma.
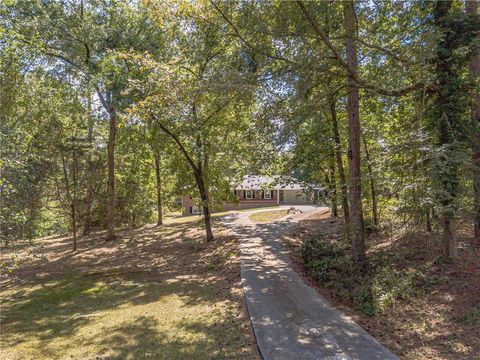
{"points": [[110, 111]]}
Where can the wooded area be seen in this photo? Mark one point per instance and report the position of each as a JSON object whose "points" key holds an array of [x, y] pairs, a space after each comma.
{"points": [[114, 114], [111, 110]]}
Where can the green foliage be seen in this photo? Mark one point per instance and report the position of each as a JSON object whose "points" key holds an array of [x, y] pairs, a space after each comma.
{"points": [[372, 293], [327, 262], [246, 87], [472, 317]]}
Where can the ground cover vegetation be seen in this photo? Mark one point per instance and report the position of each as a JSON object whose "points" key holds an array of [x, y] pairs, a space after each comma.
{"points": [[268, 216], [157, 292], [413, 302]]}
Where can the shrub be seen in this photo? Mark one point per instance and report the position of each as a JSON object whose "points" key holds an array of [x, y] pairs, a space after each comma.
{"points": [[326, 262], [364, 300], [331, 265]]}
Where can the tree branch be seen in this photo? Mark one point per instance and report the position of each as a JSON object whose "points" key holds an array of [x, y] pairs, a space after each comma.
{"points": [[177, 141], [102, 98], [322, 36], [245, 41]]}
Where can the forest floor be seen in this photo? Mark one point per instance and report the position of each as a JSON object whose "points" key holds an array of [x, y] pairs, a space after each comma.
{"points": [[155, 292], [417, 306]]}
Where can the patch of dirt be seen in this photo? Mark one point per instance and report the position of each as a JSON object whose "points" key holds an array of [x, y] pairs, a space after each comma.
{"points": [[441, 322]]}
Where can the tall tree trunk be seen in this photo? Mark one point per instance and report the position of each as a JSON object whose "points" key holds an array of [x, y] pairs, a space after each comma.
{"points": [[372, 185], [199, 178], [474, 67], [354, 131], [74, 197], [332, 188], [111, 169], [158, 176], [341, 171], [71, 198], [205, 205], [333, 185], [444, 116], [428, 220], [87, 221]]}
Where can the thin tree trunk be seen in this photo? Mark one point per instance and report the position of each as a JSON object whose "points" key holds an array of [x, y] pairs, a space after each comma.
{"points": [[87, 222], [158, 176], [205, 205], [199, 178], [333, 185], [74, 198], [70, 206], [111, 169], [449, 244], [471, 7], [341, 171], [354, 131], [332, 188], [372, 185], [428, 220]]}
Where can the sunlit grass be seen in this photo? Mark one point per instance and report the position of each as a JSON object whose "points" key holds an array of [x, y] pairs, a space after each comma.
{"points": [[79, 318], [268, 216], [178, 219], [188, 305]]}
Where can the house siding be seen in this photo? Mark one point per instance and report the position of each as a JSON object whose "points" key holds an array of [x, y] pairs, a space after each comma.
{"points": [[289, 197], [249, 204], [297, 197]]}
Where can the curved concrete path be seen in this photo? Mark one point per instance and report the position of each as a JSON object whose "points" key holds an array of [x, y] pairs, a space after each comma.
{"points": [[290, 319]]}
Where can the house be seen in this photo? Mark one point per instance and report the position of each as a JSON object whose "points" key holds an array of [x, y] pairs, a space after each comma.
{"points": [[260, 191]]}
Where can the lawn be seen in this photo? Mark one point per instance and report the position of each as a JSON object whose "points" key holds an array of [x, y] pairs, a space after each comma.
{"points": [[177, 218], [268, 216], [155, 293]]}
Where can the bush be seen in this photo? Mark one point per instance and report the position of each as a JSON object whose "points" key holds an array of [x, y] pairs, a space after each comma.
{"points": [[327, 262], [364, 301], [331, 265]]}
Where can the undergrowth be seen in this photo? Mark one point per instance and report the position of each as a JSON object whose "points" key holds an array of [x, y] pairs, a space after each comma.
{"points": [[372, 293]]}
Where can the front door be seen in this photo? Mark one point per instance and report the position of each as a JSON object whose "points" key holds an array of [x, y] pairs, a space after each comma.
{"points": [[280, 196]]}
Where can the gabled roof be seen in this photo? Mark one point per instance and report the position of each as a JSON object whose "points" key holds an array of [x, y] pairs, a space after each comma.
{"points": [[275, 182]]}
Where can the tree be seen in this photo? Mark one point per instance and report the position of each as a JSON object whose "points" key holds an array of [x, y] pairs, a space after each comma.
{"points": [[194, 102], [79, 38], [471, 7], [448, 114], [354, 131]]}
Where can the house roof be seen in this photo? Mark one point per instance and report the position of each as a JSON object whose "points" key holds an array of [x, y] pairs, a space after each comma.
{"points": [[276, 182]]}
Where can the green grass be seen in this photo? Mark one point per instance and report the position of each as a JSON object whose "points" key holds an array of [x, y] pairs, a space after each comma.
{"points": [[471, 318], [177, 218], [176, 297], [268, 216], [79, 318]]}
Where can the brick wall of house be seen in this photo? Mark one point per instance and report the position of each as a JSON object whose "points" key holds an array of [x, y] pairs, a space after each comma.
{"points": [[248, 204], [187, 202], [243, 203], [257, 194]]}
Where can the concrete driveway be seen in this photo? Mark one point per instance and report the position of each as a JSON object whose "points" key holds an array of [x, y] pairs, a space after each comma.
{"points": [[290, 319]]}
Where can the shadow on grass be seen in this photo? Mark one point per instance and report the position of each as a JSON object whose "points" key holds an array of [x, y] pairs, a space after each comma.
{"points": [[142, 339], [156, 292]]}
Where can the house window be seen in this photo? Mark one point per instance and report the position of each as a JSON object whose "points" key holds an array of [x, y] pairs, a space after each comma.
{"points": [[196, 209], [249, 194], [267, 194]]}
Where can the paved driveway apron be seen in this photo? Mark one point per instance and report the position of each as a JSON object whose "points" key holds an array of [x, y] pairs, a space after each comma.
{"points": [[290, 319]]}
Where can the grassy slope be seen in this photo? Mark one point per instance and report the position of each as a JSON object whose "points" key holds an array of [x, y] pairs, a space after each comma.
{"points": [[437, 317], [159, 293], [268, 216]]}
